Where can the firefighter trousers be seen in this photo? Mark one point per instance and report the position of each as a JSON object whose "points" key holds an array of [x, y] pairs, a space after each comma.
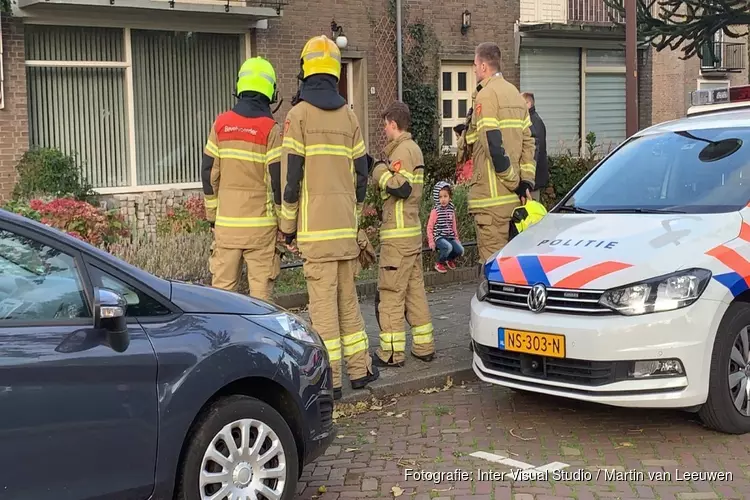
{"points": [[401, 290], [263, 267], [492, 233], [335, 314]]}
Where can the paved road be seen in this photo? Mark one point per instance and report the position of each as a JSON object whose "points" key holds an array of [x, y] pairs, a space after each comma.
{"points": [[605, 452]]}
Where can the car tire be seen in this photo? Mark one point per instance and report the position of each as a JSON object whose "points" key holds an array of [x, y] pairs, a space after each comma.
{"points": [[234, 417], [719, 411]]}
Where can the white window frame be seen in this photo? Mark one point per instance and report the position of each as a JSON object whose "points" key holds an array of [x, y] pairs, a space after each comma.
{"points": [[127, 65], [455, 95], [701, 81], [585, 70]]}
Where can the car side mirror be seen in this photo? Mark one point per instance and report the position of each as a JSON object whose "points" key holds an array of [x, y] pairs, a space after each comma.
{"points": [[109, 315]]}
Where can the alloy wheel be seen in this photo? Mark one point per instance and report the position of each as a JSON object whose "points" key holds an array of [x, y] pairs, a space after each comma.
{"points": [[739, 372], [244, 461]]}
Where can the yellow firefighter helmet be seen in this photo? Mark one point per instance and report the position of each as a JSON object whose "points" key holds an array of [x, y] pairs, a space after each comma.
{"points": [[320, 55], [527, 215], [257, 75]]}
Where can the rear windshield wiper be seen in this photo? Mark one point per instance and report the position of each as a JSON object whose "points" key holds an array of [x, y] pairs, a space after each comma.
{"points": [[638, 211], [574, 209]]}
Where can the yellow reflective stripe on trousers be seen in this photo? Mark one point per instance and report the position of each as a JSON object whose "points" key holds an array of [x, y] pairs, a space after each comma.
{"points": [[393, 341], [245, 221], [333, 347], [354, 343], [407, 232], [273, 155], [384, 179], [211, 201], [359, 149], [422, 334], [212, 148], [326, 235], [294, 145], [238, 154], [304, 200], [508, 199]]}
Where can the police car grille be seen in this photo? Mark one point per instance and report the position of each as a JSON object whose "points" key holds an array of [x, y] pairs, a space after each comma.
{"points": [[559, 300]]}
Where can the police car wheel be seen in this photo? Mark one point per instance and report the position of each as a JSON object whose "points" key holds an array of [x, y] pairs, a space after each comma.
{"points": [[727, 408]]}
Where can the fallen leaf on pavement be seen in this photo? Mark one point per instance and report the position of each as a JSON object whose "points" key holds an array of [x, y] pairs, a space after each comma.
{"points": [[340, 436], [389, 414], [448, 383], [431, 390], [397, 492], [373, 432], [625, 445], [446, 489], [401, 414], [349, 450], [322, 489], [521, 437]]}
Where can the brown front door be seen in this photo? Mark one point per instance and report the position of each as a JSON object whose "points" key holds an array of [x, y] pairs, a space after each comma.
{"points": [[344, 81]]}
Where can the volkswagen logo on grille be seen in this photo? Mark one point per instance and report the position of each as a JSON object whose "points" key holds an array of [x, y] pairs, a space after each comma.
{"points": [[537, 298]]}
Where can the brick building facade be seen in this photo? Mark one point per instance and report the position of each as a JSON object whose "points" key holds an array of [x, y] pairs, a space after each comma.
{"points": [[142, 129], [14, 121]]}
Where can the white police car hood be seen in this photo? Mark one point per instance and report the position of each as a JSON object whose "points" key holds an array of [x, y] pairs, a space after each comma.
{"points": [[601, 251]]}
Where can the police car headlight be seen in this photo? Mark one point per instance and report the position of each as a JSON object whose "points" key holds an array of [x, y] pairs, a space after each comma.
{"points": [[663, 293], [483, 289], [289, 325]]}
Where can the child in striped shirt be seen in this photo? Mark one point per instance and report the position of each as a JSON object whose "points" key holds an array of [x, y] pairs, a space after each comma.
{"points": [[442, 232]]}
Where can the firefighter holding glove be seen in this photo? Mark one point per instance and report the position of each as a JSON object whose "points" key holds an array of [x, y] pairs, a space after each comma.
{"points": [[324, 168]]}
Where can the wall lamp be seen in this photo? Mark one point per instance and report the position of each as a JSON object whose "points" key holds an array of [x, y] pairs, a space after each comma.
{"points": [[338, 35]]}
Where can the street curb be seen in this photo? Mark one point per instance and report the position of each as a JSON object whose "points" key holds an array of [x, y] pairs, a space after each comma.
{"points": [[458, 374], [369, 288]]}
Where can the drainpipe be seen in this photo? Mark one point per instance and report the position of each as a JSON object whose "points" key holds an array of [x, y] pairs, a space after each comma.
{"points": [[399, 53]]}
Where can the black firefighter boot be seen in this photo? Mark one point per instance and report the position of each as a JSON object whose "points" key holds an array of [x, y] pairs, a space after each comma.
{"points": [[376, 361], [426, 359], [361, 383]]}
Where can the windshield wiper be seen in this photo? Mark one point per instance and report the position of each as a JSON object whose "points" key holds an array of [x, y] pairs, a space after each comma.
{"points": [[638, 211], [574, 209]]}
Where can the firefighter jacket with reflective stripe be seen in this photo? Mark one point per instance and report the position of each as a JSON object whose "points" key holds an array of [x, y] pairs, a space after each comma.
{"points": [[400, 184], [324, 175], [502, 147], [243, 148]]}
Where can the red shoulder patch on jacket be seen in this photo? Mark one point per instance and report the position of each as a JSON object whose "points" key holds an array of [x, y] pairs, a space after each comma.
{"points": [[396, 165], [233, 127], [478, 109]]}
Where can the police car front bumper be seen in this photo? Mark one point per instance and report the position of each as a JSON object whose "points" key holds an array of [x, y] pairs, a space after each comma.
{"points": [[600, 354]]}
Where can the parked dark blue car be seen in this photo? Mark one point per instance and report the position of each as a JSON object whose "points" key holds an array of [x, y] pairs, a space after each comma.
{"points": [[115, 384]]}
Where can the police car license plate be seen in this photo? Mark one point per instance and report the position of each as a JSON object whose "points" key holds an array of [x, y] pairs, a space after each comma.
{"points": [[541, 344]]}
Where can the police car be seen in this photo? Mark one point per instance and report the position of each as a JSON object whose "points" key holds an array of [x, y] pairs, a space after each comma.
{"points": [[634, 290]]}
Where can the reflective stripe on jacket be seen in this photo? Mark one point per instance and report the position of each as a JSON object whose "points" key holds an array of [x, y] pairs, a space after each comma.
{"points": [[502, 146], [238, 190], [324, 181], [400, 185]]}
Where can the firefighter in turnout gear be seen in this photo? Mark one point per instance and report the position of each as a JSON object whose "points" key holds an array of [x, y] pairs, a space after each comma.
{"points": [[324, 172], [500, 136], [242, 154], [400, 278]]}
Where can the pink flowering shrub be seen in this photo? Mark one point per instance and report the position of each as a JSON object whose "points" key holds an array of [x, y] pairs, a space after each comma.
{"points": [[79, 219], [187, 218]]}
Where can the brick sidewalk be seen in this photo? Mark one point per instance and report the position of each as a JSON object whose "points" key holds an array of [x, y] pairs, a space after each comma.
{"points": [[439, 432], [449, 306]]}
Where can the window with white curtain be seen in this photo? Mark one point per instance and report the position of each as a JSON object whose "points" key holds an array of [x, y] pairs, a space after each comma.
{"points": [[78, 92]]}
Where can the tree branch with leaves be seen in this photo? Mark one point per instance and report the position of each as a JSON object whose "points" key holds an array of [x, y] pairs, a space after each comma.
{"points": [[687, 24]]}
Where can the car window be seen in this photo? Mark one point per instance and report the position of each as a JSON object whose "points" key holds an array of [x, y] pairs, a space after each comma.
{"points": [[139, 303], [38, 282], [694, 171]]}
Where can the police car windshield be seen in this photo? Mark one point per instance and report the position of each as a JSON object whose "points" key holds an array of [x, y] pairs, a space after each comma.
{"points": [[694, 171]]}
